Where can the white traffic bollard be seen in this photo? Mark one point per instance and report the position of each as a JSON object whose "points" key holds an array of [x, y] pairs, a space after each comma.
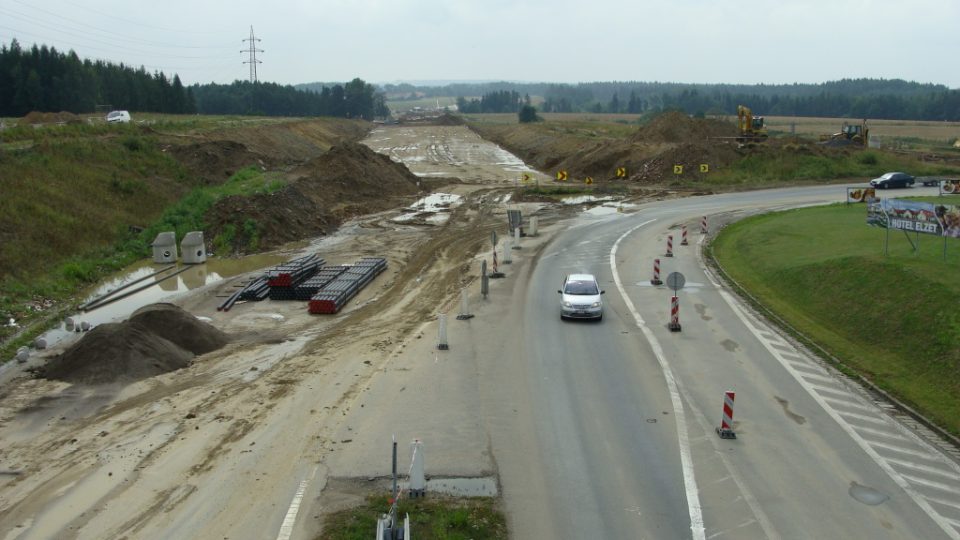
{"points": [[533, 226], [464, 306], [418, 480], [442, 334], [506, 251], [516, 238]]}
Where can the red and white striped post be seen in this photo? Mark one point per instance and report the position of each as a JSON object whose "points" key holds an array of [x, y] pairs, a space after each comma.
{"points": [[674, 325], [703, 225], [683, 235], [726, 423], [656, 273], [669, 245]]}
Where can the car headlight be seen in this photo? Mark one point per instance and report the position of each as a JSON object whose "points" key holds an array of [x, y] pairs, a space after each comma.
{"points": [[596, 304], [567, 304]]}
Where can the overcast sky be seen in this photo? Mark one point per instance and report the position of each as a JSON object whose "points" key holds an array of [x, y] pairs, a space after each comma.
{"points": [[383, 41]]}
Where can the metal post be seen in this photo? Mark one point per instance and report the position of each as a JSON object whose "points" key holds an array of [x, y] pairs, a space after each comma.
{"points": [[484, 279]]}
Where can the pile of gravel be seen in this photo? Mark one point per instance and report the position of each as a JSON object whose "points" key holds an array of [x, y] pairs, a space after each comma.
{"points": [[158, 338]]}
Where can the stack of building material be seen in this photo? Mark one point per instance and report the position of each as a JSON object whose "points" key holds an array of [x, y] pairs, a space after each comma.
{"points": [[285, 278], [335, 294], [310, 287]]}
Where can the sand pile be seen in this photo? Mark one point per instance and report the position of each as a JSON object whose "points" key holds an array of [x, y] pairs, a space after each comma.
{"points": [[158, 338]]}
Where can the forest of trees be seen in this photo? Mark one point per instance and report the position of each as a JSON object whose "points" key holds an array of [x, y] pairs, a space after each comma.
{"points": [[502, 101], [44, 79], [355, 99], [853, 98]]}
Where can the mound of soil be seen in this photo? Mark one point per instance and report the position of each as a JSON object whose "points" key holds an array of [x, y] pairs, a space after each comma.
{"points": [[216, 161], [349, 180], [677, 127], [62, 117], [179, 327], [156, 339]]}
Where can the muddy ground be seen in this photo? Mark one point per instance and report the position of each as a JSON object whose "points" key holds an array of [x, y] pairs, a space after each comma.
{"points": [[222, 447]]}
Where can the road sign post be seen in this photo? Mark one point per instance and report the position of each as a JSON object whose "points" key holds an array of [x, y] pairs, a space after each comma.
{"points": [[675, 281]]}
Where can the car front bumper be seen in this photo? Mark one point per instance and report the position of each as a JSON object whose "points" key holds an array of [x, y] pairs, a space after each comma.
{"points": [[586, 312]]}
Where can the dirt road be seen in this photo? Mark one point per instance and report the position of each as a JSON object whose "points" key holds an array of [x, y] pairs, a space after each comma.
{"points": [[232, 445]]}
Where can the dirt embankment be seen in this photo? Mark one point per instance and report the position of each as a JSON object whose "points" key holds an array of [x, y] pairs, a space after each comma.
{"points": [[348, 181], [649, 154]]}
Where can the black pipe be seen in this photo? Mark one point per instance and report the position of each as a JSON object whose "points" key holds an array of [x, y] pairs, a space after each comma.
{"points": [[83, 307]]}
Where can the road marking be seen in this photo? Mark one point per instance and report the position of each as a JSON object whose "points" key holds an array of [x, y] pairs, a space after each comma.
{"points": [[902, 450], [924, 468], [290, 519], [862, 417], [848, 403], [906, 482], [686, 460], [943, 502]]}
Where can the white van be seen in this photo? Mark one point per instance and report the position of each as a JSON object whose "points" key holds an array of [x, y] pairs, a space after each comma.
{"points": [[118, 117]]}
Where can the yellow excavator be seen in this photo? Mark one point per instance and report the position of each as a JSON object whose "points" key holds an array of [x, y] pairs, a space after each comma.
{"points": [[750, 128], [849, 134]]}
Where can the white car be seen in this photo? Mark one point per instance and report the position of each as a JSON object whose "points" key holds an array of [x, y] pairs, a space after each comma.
{"points": [[114, 117], [580, 297]]}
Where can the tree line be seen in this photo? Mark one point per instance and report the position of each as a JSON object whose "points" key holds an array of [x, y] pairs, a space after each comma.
{"points": [[852, 98], [503, 101], [44, 79]]}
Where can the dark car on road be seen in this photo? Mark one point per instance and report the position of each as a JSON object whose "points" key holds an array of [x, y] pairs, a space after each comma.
{"points": [[892, 180]]}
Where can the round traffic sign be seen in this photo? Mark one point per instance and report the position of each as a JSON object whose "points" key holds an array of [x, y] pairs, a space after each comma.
{"points": [[675, 281]]}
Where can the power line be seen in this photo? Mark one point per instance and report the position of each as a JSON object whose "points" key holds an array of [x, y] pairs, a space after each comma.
{"points": [[253, 50]]}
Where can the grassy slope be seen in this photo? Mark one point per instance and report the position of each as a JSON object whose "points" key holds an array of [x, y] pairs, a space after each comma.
{"points": [[71, 192], [891, 318]]}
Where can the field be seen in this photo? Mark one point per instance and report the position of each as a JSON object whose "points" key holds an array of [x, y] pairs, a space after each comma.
{"points": [[891, 318]]}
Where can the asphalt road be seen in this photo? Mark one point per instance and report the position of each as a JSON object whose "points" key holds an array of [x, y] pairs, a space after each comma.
{"points": [[607, 430]]}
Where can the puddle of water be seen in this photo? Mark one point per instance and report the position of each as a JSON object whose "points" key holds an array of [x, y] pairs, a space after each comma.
{"points": [[432, 207], [867, 495], [464, 487], [583, 199], [156, 288]]}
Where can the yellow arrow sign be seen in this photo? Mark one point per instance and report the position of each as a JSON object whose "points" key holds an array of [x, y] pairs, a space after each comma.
{"points": [[678, 169], [588, 180], [525, 178], [621, 172], [561, 176], [704, 168]]}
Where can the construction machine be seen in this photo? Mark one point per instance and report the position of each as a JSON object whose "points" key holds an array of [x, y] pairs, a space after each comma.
{"points": [[749, 128], [849, 134]]}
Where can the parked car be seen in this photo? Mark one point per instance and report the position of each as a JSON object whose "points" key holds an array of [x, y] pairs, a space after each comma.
{"points": [[580, 297], [114, 117], [892, 180]]}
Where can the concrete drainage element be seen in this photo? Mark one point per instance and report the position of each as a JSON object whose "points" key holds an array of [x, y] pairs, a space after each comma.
{"points": [[165, 248], [193, 248]]}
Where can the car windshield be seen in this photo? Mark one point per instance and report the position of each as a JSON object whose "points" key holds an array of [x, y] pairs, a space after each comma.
{"points": [[581, 287]]}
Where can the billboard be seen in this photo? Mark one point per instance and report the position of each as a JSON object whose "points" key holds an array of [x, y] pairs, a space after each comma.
{"points": [[950, 186], [921, 217]]}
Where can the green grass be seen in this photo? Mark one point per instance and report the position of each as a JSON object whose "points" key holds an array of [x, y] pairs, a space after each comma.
{"points": [[430, 519], [796, 163], [891, 318], [19, 292]]}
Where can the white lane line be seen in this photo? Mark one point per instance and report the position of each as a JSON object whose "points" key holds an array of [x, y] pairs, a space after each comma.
{"points": [[881, 433], [686, 461], [944, 502], [901, 450], [848, 403], [864, 418], [924, 469], [289, 520], [902, 480], [931, 484]]}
